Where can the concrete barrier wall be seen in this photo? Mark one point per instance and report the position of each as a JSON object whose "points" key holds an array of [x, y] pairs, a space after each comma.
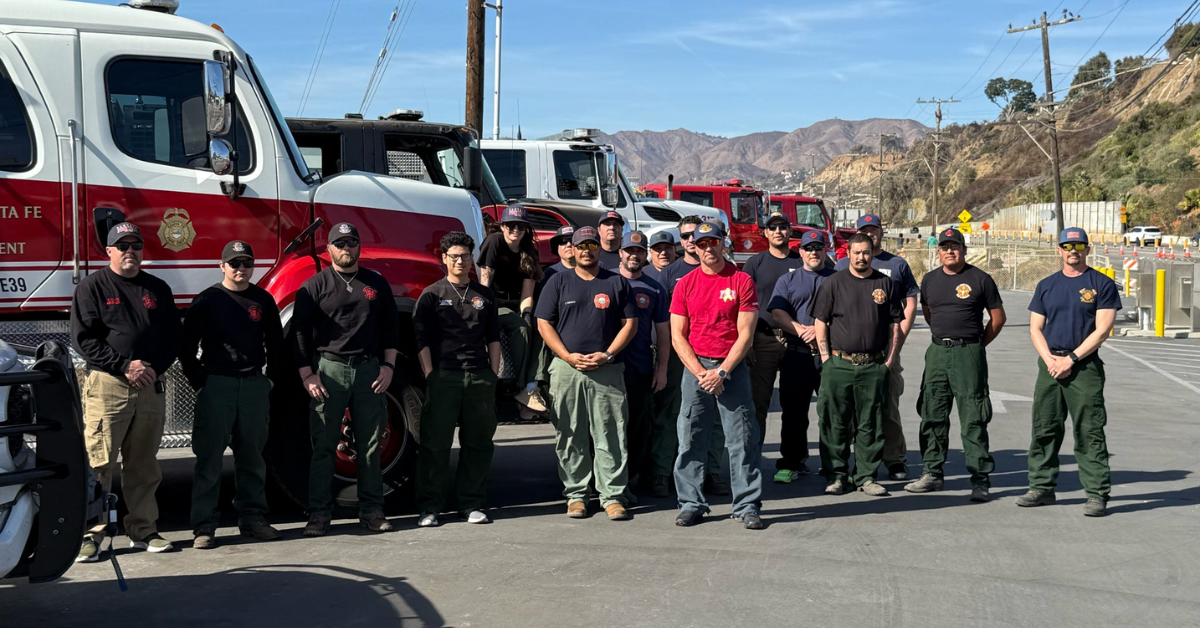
{"points": [[1094, 217]]}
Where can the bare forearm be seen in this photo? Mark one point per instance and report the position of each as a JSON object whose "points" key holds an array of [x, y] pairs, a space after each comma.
{"points": [[910, 316], [551, 338], [425, 357], [897, 342], [822, 338], [485, 276], [996, 321], [740, 348], [624, 337], [785, 322], [494, 356], [1104, 323]]}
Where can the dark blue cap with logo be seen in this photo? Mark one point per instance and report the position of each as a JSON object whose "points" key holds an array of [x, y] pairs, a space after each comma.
{"points": [[634, 240], [710, 229], [812, 237], [1072, 235], [662, 237], [120, 230], [613, 216], [869, 220], [515, 213]]}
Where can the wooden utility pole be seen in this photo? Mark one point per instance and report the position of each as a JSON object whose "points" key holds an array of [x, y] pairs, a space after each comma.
{"points": [[880, 170], [937, 145], [1045, 26], [475, 17]]}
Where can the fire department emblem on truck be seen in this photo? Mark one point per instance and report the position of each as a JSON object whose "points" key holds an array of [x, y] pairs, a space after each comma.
{"points": [[176, 232]]}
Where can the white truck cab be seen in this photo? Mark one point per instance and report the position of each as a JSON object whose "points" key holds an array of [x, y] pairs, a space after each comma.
{"points": [[571, 167]]}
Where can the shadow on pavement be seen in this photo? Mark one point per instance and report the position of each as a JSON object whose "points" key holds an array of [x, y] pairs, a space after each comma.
{"points": [[267, 595]]}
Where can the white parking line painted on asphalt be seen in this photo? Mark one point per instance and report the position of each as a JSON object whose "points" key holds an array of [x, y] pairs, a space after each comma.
{"points": [[1186, 366], [1163, 344], [998, 398], [1165, 374]]}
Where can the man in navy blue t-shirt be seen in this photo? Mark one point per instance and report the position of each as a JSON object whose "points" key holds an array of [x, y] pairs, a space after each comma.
{"points": [[586, 317], [895, 449], [645, 361], [1071, 314]]}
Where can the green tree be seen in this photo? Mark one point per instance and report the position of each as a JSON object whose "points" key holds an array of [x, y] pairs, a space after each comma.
{"points": [[1098, 68], [1185, 38], [1191, 201], [1017, 96]]}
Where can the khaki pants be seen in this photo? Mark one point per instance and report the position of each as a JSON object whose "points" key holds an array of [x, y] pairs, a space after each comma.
{"points": [[895, 448], [590, 411], [121, 419]]}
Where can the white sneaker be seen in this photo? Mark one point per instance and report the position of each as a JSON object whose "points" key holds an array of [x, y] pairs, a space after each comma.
{"points": [[428, 520], [476, 516], [154, 544]]}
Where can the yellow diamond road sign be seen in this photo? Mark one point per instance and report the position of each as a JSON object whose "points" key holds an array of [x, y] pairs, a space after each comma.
{"points": [[965, 227], [965, 216]]}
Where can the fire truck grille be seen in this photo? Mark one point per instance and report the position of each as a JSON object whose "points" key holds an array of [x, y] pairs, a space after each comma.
{"points": [[181, 399], [544, 221], [661, 213]]}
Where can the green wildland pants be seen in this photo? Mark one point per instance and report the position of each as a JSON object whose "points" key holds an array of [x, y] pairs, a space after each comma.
{"points": [[590, 409], [349, 387], [524, 343], [230, 412], [956, 375], [1081, 394], [852, 403], [466, 400], [665, 434]]}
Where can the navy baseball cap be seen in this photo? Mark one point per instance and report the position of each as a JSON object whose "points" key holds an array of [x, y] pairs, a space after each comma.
{"points": [[951, 235], [1073, 234], [515, 213], [120, 230], [813, 237], [635, 240], [662, 237], [562, 236], [613, 216], [236, 249], [777, 217], [710, 229], [585, 234], [869, 220], [342, 230]]}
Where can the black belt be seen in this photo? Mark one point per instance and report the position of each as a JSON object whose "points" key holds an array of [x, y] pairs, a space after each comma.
{"points": [[1060, 354], [235, 374], [859, 359], [348, 360], [705, 357], [955, 342]]}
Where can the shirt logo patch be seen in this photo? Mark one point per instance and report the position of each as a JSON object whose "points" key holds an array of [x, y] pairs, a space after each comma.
{"points": [[879, 295], [255, 313], [601, 301], [885, 271], [112, 301], [477, 303], [1087, 295], [728, 295], [446, 302], [370, 293], [150, 301], [963, 291], [643, 301]]}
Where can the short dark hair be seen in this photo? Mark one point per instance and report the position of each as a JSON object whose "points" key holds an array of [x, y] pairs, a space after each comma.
{"points": [[860, 238], [457, 238], [689, 220]]}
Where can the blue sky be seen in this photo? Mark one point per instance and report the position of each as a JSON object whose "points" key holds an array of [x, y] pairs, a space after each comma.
{"points": [[719, 67]]}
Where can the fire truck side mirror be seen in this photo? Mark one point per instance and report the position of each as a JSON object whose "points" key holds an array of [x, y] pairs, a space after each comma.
{"points": [[473, 168], [609, 193], [220, 156], [218, 113]]}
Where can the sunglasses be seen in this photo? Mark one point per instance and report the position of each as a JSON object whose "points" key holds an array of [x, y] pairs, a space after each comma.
{"points": [[776, 227], [687, 236], [1073, 246], [814, 249], [515, 226], [707, 243], [348, 242], [587, 246], [237, 263], [125, 246]]}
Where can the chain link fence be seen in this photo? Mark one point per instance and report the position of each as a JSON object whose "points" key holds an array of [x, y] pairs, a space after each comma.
{"points": [[1013, 265]]}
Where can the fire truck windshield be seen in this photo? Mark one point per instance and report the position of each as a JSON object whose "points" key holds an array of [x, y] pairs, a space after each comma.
{"points": [[747, 208], [281, 128], [810, 215]]}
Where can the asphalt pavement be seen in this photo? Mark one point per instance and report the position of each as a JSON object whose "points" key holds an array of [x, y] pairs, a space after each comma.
{"points": [[904, 560]]}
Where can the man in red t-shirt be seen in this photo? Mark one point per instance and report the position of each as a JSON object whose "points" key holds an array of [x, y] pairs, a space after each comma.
{"points": [[713, 312]]}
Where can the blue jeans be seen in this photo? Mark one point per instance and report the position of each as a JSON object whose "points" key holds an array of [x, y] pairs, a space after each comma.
{"points": [[698, 414]]}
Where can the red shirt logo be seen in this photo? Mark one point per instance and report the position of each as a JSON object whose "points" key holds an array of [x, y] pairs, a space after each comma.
{"points": [[149, 300], [255, 313], [370, 293], [643, 301], [113, 301], [601, 301]]}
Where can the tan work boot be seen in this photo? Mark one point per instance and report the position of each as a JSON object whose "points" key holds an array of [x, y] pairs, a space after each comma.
{"points": [[532, 400], [577, 510], [873, 488], [205, 539], [926, 484], [617, 512]]}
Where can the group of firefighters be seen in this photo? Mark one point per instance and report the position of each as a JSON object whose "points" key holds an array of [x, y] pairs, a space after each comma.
{"points": [[654, 369]]}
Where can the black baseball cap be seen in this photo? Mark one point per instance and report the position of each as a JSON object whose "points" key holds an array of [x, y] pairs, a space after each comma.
{"points": [[613, 216], [777, 217], [515, 213], [951, 235], [562, 236], [341, 231], [635, 240], [585, 234], [236, 249], [662, 237], [120, 230]]}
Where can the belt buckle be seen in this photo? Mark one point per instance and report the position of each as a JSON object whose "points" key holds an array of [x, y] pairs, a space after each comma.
{"points": [[859, 359], [948, 342]]}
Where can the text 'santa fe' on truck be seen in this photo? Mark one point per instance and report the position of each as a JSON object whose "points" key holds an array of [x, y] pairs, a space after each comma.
{"points": [[118, 113]]}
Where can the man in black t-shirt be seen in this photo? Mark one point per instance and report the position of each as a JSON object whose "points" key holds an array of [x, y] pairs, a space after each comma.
{"points": [[765, 269], [587, 318], [857, 314], [236, 325], [953, 300], [458, 344], [611, 235], [346, 331], [125, 325]]}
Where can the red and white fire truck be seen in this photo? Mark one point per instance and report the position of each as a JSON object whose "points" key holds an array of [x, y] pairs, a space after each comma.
{"points": [[742, 204], [114, 113], [807, 213]]}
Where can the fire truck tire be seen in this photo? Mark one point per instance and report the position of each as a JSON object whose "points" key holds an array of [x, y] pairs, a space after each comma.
{"points": [[289, 447]]}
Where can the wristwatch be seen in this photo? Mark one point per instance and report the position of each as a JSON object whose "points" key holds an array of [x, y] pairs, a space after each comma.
{"points": [[608, 356], [722, 374], [389, 365], [1074, 358]]}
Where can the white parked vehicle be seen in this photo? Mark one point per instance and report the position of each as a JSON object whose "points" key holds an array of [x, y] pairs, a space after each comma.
{"points": [[1143, 236], [575, 169]]}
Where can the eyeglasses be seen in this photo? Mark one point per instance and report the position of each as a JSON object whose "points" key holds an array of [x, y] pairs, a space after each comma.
{"points": [[454, 259], [348, 242], [241, 263], [815, 249], [707, 243], [125, 246], [587, 246], [687, 236], [776, 227], [515, 226], [1073, 246]]}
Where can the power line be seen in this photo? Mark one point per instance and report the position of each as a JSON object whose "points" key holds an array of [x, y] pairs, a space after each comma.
{"points": [[318, 54], [387, 37], [981, 64], [1093, 46], [386, 64]]}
